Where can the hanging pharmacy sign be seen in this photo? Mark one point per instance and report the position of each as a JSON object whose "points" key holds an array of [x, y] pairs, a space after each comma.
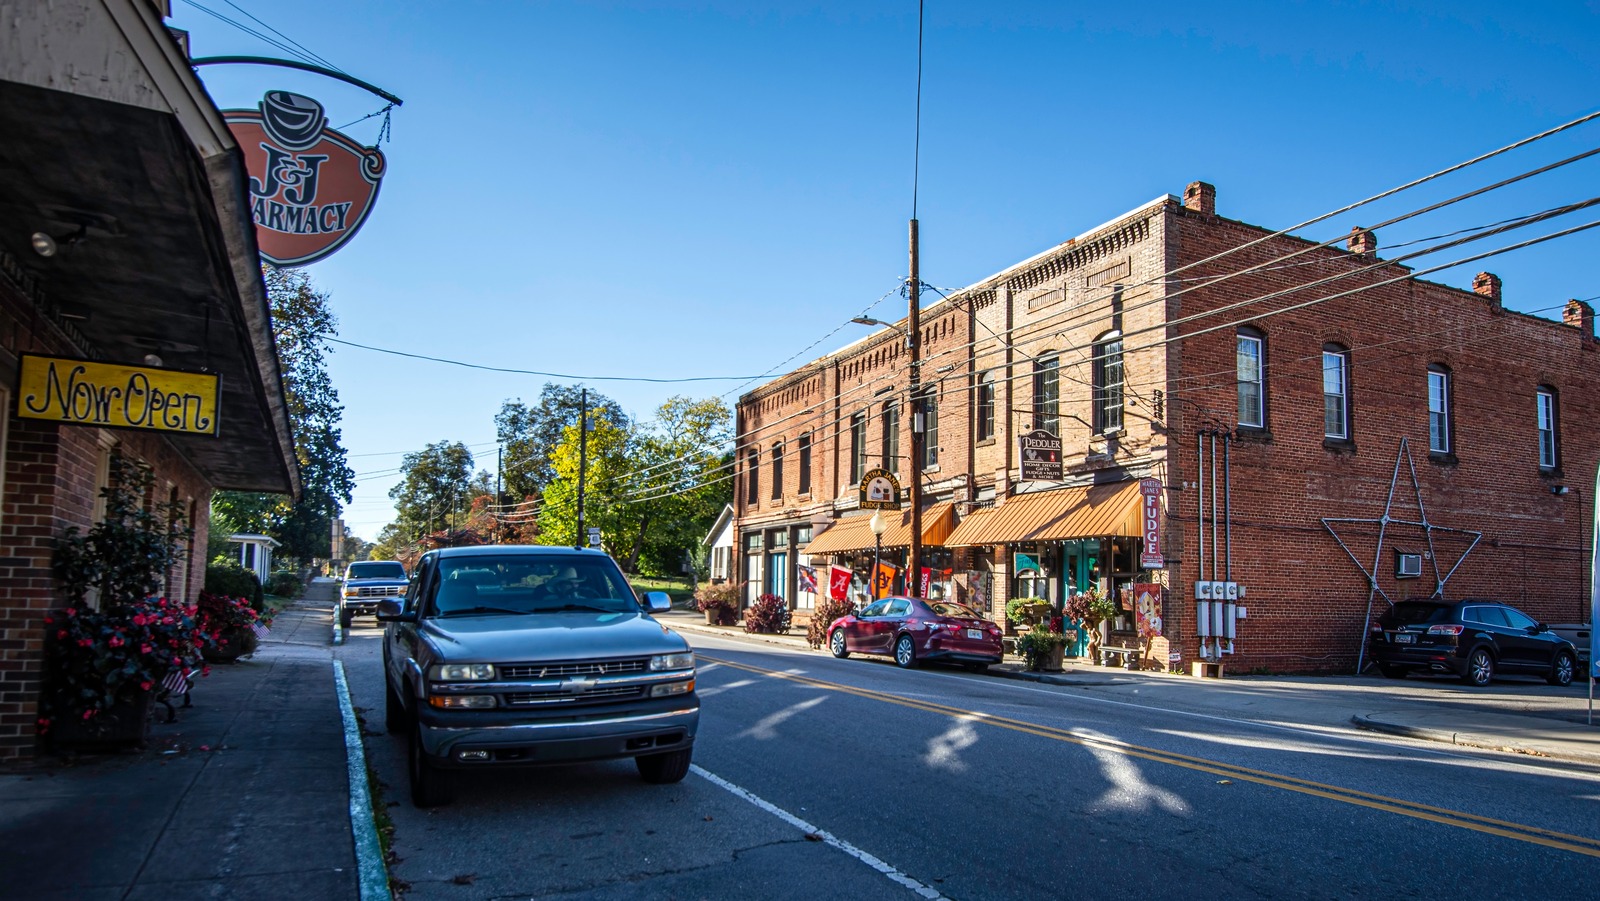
{"points": [[311, 187], [110, 395]]}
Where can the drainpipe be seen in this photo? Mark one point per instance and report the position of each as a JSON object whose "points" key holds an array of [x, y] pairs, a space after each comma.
{"points": [[1202, 615], [1229, 619]]}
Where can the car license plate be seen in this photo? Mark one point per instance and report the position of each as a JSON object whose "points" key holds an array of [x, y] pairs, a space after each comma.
{"points": [[974, 633], [1404, 638]]}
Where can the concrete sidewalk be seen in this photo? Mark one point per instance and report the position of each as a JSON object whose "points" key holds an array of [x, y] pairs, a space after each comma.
{"points": [[245, 796], [1525, 717]]}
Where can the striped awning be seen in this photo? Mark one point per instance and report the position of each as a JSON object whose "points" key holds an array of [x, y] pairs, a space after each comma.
{"points": [[855, 533], [1098, 511]]}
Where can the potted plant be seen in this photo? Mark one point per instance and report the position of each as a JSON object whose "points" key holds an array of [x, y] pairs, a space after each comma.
{"points": [[1089, 608], [769, 614], [717, 602], [1043, 647], [1027, 611], [116, 640], [230, 624]]}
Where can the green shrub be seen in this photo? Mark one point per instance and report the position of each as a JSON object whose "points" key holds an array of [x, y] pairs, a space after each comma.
{"points": [[822, 617], [1027, 611], [769, 614], [285, 584], [1037, 645], [224, 576]]}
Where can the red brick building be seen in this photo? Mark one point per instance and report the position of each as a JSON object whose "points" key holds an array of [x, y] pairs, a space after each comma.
{"points": [[1282, 392], [125, 239]]}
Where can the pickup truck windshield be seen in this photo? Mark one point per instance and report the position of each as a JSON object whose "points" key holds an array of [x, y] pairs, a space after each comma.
{"points": [[376, 569], [520, 584]]}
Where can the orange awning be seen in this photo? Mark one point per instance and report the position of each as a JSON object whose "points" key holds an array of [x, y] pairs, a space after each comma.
{"points": [[1098, 511], [855, 533]]}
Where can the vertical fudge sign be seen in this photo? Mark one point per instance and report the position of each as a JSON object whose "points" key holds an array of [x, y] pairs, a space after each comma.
{"points": [[310, 186]]}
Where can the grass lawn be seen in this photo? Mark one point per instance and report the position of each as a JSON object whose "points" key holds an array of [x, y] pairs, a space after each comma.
{"points": [[680, 590]]}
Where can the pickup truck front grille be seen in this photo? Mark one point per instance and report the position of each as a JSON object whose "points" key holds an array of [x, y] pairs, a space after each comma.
{"points": [[573, 668], [377, 591], [557, 696]]}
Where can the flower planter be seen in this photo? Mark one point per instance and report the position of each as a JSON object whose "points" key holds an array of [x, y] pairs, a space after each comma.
{"points": [[239, 642], [714, 616], [125, 725]]}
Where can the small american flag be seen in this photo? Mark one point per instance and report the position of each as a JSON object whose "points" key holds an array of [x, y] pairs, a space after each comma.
{"points": [[176, 683], [260, 630]]}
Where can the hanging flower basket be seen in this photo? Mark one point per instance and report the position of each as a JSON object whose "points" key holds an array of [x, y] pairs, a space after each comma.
{"points": [[126, 724]]}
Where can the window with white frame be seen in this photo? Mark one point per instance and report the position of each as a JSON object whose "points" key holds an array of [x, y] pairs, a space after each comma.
{"points": [[1335, 392], [1108, 383], [1439, 410], [1545, 405], [858, 447], [777, 472], [928, 406], [1250, 363], [1047, 394], [985, 405], [891, 436]]}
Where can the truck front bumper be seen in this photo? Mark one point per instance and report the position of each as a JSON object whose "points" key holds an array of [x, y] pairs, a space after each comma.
{"points": [[464, 739]]}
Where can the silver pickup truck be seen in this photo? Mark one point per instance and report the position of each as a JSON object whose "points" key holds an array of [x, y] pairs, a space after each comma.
{"points": [[506, 655]]}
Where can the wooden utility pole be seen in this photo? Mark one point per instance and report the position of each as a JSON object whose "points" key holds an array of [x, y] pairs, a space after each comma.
{"points": [[583, 458], [919, 420]]}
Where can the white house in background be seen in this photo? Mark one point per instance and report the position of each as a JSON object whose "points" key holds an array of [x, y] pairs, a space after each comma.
{"points": [[255, 553], [719, 547]]}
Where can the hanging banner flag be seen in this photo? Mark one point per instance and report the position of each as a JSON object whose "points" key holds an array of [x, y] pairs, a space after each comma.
{"points": [[1147, 609], [927, 581], [311, 187], [839, 583], [1150, 498], [883, 585], [808, 578]]}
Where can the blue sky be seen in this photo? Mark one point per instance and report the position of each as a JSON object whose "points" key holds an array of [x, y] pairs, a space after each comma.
{"points": [[690, 189]]}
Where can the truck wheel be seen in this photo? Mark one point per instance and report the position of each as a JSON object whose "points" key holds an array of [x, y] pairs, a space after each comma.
{"points": [[430, 786], [344, 617], [663, 769]]}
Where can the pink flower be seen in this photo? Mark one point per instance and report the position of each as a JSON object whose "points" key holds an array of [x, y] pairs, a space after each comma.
{"points": [[116, 642], [145, 648], [61, 634], [88, 714], [85, 643], [144, 686]]}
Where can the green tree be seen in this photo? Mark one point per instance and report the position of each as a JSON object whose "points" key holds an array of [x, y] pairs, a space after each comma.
{"points": [[653, 490], [436, 488], [604, 478], [529, 434], [302, 323]]}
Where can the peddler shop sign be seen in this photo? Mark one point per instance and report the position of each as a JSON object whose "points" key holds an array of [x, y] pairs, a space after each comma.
{"points": [[109, 395], [311, 187]]}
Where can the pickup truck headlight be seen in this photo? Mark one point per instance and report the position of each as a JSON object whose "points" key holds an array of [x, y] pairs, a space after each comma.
{"points": [[351, 592], [672, 661], [461, 672]]}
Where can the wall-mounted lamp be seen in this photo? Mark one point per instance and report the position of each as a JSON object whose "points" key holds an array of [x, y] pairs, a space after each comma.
{"points": [[47, 245], [1559, 489]]}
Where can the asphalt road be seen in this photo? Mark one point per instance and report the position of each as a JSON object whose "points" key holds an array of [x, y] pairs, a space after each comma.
{"points": [[823, 778]]}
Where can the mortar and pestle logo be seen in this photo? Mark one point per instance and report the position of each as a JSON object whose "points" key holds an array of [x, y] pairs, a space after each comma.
{"points": [[294, 122]]}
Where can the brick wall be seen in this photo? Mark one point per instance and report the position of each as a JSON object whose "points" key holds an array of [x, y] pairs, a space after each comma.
{"points": [[1306, 599]]}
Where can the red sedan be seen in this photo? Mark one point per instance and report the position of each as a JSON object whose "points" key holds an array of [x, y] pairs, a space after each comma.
{"points": [[913, 630]]}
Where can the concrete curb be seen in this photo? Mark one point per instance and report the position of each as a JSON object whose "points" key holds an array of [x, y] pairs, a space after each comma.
{"points": [[1482, 743], [373, 874]]}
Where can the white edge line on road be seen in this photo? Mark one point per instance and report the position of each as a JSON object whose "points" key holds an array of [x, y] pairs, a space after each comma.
{"points": [[827, 837], [373, 876]]}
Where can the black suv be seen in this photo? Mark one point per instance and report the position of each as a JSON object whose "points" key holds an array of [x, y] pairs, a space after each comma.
{"points": [[510, 655], [1472, 639]]}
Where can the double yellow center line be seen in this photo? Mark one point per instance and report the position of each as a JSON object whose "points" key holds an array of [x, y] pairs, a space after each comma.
{"points": [[1559, 840]]}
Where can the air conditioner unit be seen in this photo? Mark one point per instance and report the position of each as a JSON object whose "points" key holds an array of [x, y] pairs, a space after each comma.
{"points": [[1407, 566]]}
